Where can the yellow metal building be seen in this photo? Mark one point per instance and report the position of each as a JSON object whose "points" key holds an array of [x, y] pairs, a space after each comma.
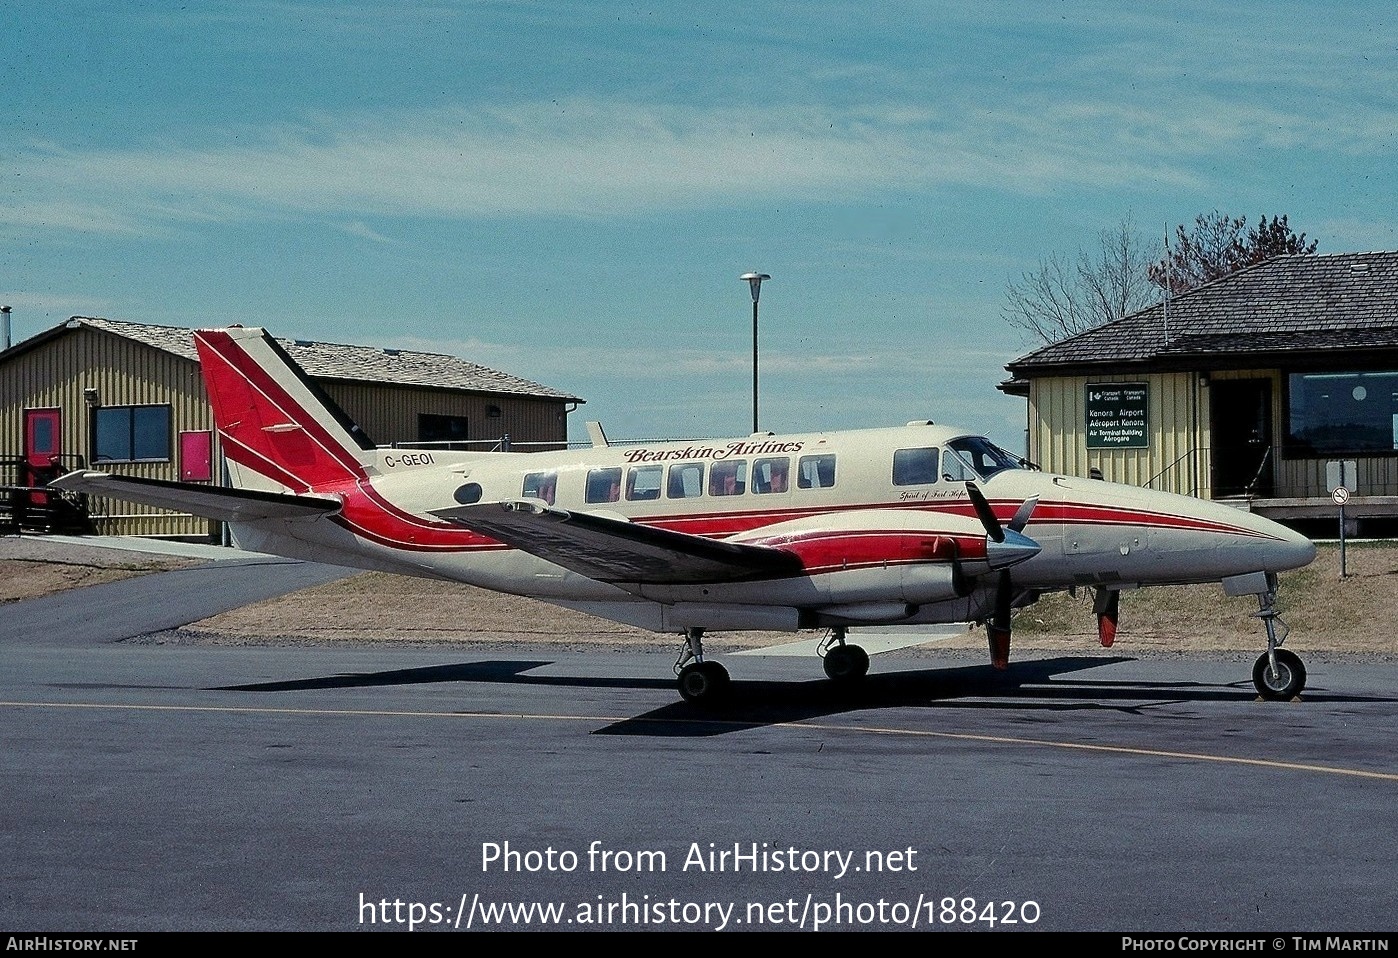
{"points": [[1250, 388], [128, 397]]}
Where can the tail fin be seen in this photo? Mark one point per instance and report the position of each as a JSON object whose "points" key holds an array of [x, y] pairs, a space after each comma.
{"points": [[279, 430]]}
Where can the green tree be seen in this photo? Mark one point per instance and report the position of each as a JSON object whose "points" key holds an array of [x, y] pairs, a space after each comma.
{"points": [[1218, 245], [1267, 240]]}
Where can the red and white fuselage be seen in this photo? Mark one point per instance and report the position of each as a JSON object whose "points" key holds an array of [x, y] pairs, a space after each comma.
{"points": [[871, 526]]}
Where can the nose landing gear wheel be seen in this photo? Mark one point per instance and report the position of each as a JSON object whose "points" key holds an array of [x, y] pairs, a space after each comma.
{"points": [[703, 683], [846, 663], [1286, 682]]}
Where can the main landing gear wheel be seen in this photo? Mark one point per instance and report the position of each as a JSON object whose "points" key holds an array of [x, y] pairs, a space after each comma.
{"points": [[1286, 682], [703, 683], [846, 663]]}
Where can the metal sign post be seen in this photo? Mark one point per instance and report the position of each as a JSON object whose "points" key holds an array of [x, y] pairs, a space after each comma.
{"points": [[1341, 496], [1339, 476]]}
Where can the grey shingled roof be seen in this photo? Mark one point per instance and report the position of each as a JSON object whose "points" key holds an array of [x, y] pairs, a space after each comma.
{"points": [[401, 367], [1312, 304]]}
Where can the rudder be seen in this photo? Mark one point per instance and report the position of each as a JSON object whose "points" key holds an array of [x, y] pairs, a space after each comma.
{"points": [[278, 428]]}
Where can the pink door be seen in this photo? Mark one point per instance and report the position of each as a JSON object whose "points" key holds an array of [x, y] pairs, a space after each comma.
{"points": [[42, 432]]}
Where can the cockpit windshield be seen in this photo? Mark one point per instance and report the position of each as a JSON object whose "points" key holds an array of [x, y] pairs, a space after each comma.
{"points": [[984, 457]]}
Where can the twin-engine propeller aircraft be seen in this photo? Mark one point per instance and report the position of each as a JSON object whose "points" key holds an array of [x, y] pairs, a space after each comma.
{"points": [[912, 525]]}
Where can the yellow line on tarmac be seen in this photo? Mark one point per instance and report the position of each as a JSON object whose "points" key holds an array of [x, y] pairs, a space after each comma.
{"points": [[268, 710], [805, 725], [1119, 749]]}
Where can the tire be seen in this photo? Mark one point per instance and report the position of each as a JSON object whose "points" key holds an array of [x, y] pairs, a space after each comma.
{"points": [[703, 683], [1286, 684], [846, 663]]}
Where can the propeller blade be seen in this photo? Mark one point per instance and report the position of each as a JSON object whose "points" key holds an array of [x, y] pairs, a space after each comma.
{"points": [[1004, 595], [1016, 549], [986, 514], [1021, 517], [998, 628], [1107, 604]]}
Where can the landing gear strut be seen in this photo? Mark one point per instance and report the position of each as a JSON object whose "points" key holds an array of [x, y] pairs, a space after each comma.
{"points": [[844, 664], [701, 682], [1278, 673]]}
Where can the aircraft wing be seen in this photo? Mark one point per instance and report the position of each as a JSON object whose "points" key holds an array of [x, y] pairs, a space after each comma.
{"points": [[618, 551], [213, 502]]}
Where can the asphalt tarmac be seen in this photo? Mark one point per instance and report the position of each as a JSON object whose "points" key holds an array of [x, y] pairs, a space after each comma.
{"points": [[151, 787]]}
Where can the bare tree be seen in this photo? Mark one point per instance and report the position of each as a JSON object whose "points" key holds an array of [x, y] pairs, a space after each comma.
{"points": [[1062, 296]]}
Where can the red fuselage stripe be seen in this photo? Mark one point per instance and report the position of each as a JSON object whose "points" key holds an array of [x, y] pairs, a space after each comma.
{"points": [[326, 465]]}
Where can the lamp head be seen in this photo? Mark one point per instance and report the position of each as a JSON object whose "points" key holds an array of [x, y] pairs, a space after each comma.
{"points": [[754, 281]]}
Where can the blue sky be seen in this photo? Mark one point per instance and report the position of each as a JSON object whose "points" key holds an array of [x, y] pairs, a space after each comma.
{"points": [[569, 191]]}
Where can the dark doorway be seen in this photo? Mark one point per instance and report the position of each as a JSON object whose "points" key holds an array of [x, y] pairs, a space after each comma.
{"points": [[1241, 435]]}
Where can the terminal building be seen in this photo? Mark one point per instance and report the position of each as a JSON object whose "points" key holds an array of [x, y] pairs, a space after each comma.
{"points": [[128, 397], [1251, 388]]}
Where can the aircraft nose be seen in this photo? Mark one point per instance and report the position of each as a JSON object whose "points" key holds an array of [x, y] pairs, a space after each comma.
{"points": [[1015, 548], [1284, 548], [1294, 551]]}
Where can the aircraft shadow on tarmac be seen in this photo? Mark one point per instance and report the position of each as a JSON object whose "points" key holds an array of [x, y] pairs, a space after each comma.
{"points": [[1027, 685]]}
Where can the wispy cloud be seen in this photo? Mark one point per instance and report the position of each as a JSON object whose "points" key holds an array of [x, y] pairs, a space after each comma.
{"points": [[688, 392], [1357, 234], [602, 158], [361, 229], [658, 362]]}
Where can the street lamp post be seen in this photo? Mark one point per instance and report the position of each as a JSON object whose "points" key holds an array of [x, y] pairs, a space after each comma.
{"points": [[754, 281]]}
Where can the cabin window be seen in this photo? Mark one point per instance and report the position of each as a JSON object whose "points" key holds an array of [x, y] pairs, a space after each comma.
{"points": [[983, 456], [643, 483], [541, 485], [815, 472], [467, 494], [770, 475], [131, 434], [604, 485], [1331, 413], [728, 478], [955, 469], [914, 467], [686, 481]]}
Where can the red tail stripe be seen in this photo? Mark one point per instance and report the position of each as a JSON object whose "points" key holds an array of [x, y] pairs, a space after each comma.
{"points": [[229, 370], [334, 463], [259, 463]]}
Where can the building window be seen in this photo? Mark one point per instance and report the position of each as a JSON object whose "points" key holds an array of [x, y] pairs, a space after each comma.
{"points": [[131, 434], [1330, 413], [444, 429]]}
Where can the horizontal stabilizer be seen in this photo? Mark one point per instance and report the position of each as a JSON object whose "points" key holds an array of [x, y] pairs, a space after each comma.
{"points": [[213, 502], [616, 550]]}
